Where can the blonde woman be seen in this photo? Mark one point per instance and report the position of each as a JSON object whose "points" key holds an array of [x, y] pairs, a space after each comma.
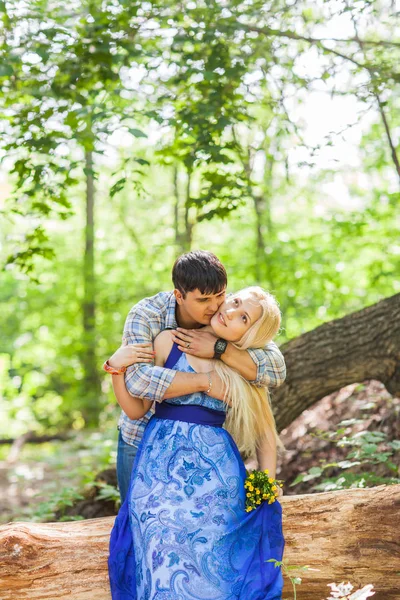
{"points": [[183, 532]]}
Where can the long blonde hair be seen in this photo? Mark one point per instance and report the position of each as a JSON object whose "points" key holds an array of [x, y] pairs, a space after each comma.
{"points": [[250, 415]]}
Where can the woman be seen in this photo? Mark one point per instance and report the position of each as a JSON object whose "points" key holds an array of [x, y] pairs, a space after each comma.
{"points": [[183, 532]]}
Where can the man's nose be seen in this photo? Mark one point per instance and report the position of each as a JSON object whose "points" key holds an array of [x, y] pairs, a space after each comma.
{"points": [[215, 306], [220, 302]]}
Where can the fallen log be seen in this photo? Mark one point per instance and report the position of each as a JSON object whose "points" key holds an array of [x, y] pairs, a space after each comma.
{"points": [[337, 353], [31, 438], [350, 535]]}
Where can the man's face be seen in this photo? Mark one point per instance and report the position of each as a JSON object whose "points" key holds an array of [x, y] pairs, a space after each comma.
{"points": [[197, 308]]}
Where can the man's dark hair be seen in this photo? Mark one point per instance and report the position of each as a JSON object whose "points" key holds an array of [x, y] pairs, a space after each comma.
{"points": [[199, 270]]}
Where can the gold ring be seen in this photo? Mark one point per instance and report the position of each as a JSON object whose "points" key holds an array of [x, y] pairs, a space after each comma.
{"points": [[188, 345]]}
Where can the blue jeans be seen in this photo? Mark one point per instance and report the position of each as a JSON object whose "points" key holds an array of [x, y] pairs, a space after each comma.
{"points": [[125, 457]]}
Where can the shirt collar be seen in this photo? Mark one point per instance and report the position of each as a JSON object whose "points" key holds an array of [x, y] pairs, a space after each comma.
{"points": [[170, 321]]}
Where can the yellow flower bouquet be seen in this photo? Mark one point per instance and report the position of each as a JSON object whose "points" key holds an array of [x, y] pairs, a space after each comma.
{"points": [[260, 487]]}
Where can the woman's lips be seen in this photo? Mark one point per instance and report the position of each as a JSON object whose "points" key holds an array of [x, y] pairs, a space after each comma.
{"points": [[221, 319]]}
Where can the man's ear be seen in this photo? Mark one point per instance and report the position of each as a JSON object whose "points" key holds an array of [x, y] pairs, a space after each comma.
{"points": [[178, 296]]}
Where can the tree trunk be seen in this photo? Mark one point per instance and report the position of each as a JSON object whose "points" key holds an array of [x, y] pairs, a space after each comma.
{"points": [[187, 233], [341, 536], [182, 224], [91, 383], [362, 345], [176, 207], [258, 204]]}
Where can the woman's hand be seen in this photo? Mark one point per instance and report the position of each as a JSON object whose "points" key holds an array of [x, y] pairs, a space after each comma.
{"points": [[131, 354]]}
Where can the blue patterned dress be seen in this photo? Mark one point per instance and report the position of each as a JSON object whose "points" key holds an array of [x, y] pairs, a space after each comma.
{"points": [[182, 532]]}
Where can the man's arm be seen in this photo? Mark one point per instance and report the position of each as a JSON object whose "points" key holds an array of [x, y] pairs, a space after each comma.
{"points": [[134, 407], [264, 367], [271, 368], [241, 361], [156, 383]]}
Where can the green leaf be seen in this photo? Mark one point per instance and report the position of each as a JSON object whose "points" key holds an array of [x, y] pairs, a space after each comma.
{"points": [[137, 133], [6, 70], [298, 479], [118, 186], [395, 444]]}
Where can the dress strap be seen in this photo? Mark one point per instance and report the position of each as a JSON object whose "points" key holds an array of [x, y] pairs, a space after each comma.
{"points": [[173, 357]]}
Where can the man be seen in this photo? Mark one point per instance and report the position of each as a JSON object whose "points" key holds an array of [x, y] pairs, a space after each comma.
{"points": [[200, 284]]}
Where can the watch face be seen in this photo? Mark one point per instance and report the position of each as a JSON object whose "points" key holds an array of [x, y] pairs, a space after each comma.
{"points": [[220, 346]]}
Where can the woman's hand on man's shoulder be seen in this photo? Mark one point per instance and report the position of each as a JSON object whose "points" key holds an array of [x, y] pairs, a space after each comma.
{"points": [[131, 354]]}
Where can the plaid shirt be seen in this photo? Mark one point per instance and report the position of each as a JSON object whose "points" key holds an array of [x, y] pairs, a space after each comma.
{"points": [[144, 322]]}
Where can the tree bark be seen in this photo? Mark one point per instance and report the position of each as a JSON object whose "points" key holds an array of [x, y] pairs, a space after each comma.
{"points": [[258, 204], [341, 536], [362, 345], [91, 381], [182, 224]]}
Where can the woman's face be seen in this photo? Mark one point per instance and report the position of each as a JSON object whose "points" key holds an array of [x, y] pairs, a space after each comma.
{"points": [[235, 316]]}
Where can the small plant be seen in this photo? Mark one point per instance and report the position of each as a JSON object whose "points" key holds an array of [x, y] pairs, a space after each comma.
{"points": [[342, 591], [366, 450], [57, 502], [288, 570], [107, 492]]}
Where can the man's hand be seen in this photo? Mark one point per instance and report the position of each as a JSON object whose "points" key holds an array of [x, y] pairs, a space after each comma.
{"points": [[193, 341]]}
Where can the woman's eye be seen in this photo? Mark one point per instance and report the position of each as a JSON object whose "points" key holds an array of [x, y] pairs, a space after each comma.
{"points": [[236, 301], [244, 319]]}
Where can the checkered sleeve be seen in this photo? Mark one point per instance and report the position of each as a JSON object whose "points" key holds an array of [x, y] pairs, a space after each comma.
{"points": [[271, 368], [142, 380]]}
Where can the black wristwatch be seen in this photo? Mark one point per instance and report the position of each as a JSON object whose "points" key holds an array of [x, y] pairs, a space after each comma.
{"points": [[219, 347]]}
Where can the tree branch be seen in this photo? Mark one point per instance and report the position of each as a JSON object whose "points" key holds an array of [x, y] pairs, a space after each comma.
{"points": [[395, 158], [379, 102], [296, 36], [314, 41]]}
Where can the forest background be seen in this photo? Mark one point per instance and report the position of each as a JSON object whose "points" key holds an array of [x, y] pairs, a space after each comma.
{"points": [[266, 132]]}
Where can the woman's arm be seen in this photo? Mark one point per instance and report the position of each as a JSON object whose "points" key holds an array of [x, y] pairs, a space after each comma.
{"points": [[134, 408], [266, 453]]}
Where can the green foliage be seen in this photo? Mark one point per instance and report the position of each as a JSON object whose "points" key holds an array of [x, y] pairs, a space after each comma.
{"points": [[108, 492], [188, 126], [79, 460], [57, 502], [367, 451], [67, 86], [289, 571]]}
